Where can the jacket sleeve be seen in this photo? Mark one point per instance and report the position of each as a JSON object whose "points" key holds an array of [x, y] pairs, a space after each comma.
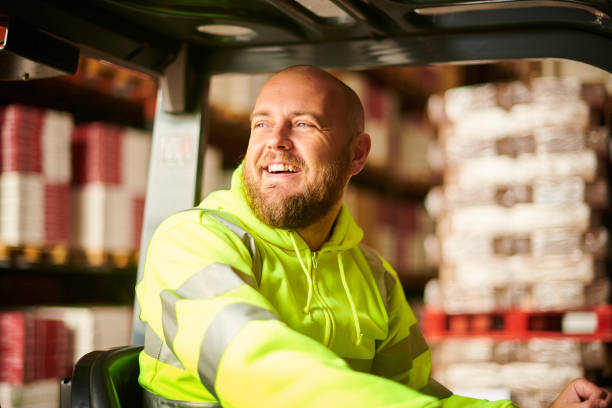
{"points": [[224, 340], [404, 355]]}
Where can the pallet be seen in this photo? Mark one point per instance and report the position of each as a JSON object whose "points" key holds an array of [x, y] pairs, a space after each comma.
{"points": [[62, 255], [520, 325], [56, 254], [102, 259]]}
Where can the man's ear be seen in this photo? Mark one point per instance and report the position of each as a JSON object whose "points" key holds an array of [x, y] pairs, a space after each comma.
{"points": [[360, 148]]}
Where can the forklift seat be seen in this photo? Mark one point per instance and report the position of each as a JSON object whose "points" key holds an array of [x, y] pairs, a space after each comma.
{"points": [[104, 379]]}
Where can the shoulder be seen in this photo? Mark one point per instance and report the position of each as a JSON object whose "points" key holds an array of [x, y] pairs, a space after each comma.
{"points": [[197, 227], [200, 218], [191, 239]]}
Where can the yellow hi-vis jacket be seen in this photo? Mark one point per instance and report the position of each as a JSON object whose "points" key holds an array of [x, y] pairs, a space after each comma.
{"points": [[244, 315]]}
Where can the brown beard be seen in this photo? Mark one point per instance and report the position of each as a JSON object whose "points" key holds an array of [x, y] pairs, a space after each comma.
{"points": [[303, 209]]}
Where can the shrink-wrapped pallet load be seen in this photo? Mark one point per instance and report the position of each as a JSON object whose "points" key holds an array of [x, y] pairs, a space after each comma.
{"points": [[520, 233], [523, 187]]}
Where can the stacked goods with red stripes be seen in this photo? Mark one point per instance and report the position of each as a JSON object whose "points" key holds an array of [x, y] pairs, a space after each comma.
{"points": [[520, 231], [94, 327], [34, 352], [109, 165], [39, 346], [34, 176]]}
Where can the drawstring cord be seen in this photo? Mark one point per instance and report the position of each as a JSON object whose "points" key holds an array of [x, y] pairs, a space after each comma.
{"points": [[308, 277], [358, 333]]}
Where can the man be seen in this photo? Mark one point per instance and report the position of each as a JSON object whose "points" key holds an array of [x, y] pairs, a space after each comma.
{"points": [[264, 296]]}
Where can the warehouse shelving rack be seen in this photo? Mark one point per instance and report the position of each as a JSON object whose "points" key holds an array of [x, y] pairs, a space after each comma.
{"points": [[182, 43]]}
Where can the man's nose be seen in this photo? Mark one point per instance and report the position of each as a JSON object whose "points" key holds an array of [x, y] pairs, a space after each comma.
{"points": [[280, 138]]}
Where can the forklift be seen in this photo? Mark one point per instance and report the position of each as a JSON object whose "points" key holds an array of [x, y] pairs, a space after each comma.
{"points": [[183, 43]]}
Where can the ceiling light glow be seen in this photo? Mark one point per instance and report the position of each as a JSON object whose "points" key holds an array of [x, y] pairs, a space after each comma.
{"points": [[239, 33], [327, 10]]}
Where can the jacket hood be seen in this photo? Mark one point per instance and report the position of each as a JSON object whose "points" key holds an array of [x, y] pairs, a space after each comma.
{"points": [[345, 234]]}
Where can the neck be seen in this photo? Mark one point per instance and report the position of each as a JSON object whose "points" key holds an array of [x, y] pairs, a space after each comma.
{"points": [[317, 234]]}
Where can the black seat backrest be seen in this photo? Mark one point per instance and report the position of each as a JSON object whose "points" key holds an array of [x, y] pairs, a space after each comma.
{"points": [[106, 379]]}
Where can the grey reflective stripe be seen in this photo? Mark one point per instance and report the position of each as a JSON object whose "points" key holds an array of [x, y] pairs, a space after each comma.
{"points": [[360, 364], [211, 281], [246, 238], [156, 348], [225, 326], [151, 400], [169, 321], [436, 389], [418, 345], [389, 362], [384, 279]]}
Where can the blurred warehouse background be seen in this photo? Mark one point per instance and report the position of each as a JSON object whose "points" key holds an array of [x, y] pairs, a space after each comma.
{"points": [[487, 189]]}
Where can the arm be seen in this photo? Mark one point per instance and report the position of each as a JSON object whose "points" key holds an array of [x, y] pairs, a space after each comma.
{"points": [[404, 355], [199, 297]]}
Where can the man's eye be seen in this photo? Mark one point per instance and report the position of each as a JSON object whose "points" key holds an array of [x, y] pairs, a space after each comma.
{"points": [[259, 125], [303, 124]]}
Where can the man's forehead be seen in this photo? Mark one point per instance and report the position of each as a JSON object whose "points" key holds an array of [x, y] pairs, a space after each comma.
{"points": [[316, 115], [322, 83], [310, 74], [297, 93]]}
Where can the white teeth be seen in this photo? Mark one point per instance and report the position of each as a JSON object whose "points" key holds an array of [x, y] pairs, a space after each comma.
{"points": [[279, 167]]}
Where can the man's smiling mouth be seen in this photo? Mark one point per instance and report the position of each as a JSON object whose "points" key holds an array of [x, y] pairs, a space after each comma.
{"points": [[281, 168]]}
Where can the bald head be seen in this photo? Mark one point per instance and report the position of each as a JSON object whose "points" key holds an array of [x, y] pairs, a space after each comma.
{"points": [[349, 101]]}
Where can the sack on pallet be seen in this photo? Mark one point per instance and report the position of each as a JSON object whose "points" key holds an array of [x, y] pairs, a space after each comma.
{"points": [[472, 375], [521, 376], [561, 351], [524, 169], [466, 350]]}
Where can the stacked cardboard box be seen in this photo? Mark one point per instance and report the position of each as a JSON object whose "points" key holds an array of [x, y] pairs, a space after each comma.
{"points": [[33, 348], [40, 345], [519, 214], [94, 327], [108, 187], [34, 176]]}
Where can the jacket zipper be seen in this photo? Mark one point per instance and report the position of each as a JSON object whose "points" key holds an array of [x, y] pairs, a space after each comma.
{"points": [[329, 317]]}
